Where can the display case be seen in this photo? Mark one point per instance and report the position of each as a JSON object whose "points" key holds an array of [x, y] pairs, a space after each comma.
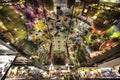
{"points": [[5, 62], [7, 57]]}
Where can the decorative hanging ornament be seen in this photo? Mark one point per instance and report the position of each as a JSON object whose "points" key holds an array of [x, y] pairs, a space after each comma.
{"points": [[48, 4], [70, 3]]}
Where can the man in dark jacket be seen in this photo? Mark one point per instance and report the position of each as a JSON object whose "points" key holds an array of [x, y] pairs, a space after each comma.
{"points": [[119, 70]]}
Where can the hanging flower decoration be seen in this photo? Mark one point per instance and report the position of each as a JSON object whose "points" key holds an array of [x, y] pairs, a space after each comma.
{"points": [[32, 10]]}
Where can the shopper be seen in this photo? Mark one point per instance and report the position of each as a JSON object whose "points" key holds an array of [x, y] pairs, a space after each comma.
{"points": [[119, 70]]}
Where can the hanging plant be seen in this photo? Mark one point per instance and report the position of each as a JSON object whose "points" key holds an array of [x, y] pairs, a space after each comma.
{"points": [[48, 4], [70, 3]]}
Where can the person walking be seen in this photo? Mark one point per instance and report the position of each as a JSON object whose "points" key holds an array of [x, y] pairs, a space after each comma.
{"points": [[119, 70]]}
